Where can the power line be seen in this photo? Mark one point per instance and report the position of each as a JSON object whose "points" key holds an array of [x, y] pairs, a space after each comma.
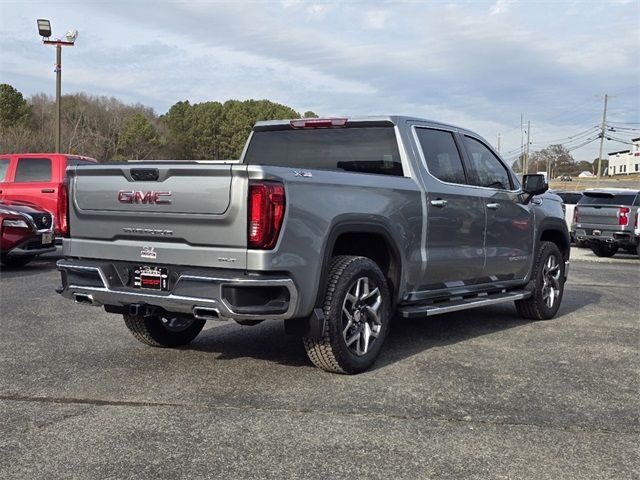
{"points": [[612, 128], [620, 140], [576, 147], [569, 138]]}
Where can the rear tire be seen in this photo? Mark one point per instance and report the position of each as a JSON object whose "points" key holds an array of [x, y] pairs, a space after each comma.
{"points": [[604, 249], [163, 330], [548, 285], [357, 317]]}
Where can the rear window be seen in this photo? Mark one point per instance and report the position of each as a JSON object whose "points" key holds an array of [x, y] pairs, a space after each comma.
{"points": [[364, 150], [33, 170], [570, 198], [4, 166], [607, 199]]}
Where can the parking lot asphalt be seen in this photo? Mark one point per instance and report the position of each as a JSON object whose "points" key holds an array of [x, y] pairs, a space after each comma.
{"points": [[479, 394]]}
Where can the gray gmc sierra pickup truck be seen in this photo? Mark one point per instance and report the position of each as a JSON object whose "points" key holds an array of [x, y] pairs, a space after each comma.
{"points": [[333, 225]]}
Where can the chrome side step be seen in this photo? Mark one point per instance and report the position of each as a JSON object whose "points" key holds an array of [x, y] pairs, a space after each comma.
{"points": [[480, 300]]}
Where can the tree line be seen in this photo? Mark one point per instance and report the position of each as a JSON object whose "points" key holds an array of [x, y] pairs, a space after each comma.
{"points": [[559, 161], [107, 129]]}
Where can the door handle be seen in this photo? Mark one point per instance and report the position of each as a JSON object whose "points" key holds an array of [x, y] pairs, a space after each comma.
{"points": [[493, 206], [48, 190], [439, 203]]}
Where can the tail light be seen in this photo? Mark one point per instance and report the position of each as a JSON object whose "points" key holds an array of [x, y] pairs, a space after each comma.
{"points": [[576, 215], [266, 211], [623, 216], [63, 209], [318, 123]]}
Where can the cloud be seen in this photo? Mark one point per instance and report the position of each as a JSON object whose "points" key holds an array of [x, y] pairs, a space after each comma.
{"points": [[376, 19], [318, 10], [450, 62], [500, 6]]}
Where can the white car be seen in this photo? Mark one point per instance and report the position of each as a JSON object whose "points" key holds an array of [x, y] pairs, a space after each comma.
{"points": [[570, 200]]}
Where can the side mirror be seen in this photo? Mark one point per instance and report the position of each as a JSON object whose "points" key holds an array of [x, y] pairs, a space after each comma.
{"points": [[534, 184]]}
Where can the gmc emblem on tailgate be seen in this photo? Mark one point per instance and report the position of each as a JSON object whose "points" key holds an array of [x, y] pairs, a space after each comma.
{"points": [[131, 196]]}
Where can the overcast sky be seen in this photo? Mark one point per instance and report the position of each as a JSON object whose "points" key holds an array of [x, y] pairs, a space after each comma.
{"points": [[478, 64]]}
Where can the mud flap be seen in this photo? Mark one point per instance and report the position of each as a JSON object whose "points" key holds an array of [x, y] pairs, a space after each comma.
{"points": [[311, 327]]}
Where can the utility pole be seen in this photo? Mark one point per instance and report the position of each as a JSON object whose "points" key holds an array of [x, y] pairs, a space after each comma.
{"points": [[521, 146], [526, 158], [498, 142], [604, 121]]}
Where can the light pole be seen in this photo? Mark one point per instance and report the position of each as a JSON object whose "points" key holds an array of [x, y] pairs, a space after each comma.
{"points": [[44, 29]]}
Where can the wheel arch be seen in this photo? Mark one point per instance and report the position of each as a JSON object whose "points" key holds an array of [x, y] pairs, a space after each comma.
{"points": [[551, 232], [372, 239]]}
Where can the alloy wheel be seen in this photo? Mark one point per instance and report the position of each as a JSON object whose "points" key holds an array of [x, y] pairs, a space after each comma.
{"points": [[551, 281], [361, 322]]}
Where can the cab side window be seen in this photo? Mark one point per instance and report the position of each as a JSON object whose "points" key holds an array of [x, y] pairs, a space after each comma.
{"points": [[489, 171], [33, 170], [441, 154]]}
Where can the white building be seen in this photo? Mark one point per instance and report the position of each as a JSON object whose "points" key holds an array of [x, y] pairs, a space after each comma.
{"points": [[625, 161]]}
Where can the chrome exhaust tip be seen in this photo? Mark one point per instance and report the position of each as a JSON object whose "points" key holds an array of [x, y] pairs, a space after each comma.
{"points": [[84, 298], [206, 313]]}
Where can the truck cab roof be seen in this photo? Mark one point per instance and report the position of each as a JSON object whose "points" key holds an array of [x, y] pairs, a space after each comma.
{"points": [[371, 120]]}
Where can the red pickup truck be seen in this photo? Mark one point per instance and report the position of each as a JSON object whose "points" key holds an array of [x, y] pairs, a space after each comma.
{"points": [[38, 179]]}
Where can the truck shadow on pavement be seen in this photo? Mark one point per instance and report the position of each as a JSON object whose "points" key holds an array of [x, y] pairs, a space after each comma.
{"points": [[267, 341], [35, 267]]}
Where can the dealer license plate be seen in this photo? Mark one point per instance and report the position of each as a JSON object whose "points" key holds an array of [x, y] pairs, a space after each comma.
{"points": [[47, 238], [151, 278]]}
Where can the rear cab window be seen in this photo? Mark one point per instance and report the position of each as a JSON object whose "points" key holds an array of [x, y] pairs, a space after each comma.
{"points": [[33, 170], [372, 150]]}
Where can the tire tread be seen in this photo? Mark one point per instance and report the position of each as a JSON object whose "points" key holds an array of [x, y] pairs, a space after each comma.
{"points": [[319, 350], [145, 331]]}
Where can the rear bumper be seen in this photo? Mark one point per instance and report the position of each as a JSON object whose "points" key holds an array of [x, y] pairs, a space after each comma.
{"points": [[605, 236], [204, 293]]}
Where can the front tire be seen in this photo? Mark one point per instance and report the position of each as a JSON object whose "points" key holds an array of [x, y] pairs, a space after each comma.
{"points": [[357, 317], [604, 249], [548, 285], [165, 330]]}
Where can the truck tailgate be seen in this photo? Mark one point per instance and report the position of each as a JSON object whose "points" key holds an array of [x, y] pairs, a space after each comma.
{"points": [[599, 215], [183, 213]]}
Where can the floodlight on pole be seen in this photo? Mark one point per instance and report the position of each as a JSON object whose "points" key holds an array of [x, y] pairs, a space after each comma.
{"points": [[44, 29]]}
